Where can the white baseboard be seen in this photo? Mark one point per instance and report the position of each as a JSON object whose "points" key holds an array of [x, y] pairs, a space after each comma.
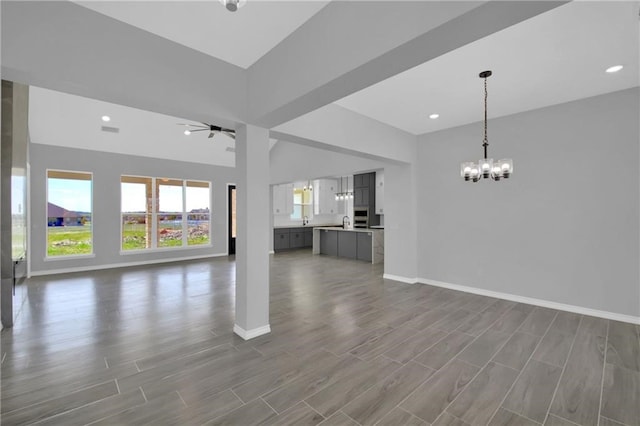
{"points": [[121, 265], [272, 252], [533, 301], [400, 278], [250, 334]]}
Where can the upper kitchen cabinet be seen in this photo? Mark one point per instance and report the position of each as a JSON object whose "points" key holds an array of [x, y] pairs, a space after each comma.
{"points": [[380, 192], [283, 199], [364, 190], [324, 197]]}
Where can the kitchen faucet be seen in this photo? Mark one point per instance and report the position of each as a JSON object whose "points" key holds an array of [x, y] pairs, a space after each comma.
{"points": [[348, 221], [305, 220]]}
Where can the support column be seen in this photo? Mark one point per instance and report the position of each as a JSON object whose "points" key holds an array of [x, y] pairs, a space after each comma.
{"points": [[252, 236]]}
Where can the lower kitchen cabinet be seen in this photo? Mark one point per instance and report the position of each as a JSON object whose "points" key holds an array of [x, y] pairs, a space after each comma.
{"points": [[296, 238], [329, 242], [308, 237], [364, 246], [292, 238], [281, 240], [347, 244]]}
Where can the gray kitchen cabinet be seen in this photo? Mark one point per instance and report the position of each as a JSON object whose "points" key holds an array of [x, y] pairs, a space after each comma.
{"points": [[329, 242], [281, 240], [347, 244], [296, 237], [364, 246], [308, 237], [365, 195]]}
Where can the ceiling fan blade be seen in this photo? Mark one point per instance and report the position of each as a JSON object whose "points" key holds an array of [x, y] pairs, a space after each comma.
{"points": [[210, 135], [231, 135], [192, 125], [227, 130], [198, 130]]}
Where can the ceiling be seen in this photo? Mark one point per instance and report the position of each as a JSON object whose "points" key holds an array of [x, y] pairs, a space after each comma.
{"points": [[556, 57], [73, 121], [240, 38]]}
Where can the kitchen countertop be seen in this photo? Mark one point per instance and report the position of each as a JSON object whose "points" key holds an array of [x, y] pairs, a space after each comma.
{"points": [[340, 228], [308, 225]]}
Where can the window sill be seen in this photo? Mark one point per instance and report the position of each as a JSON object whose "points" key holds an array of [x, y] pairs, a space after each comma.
{"points": [[164, 249], [74, 257]]}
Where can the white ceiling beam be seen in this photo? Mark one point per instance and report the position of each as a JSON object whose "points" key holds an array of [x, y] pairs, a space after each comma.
{"points": [[348, 46], [338, 129], [62, 46]]}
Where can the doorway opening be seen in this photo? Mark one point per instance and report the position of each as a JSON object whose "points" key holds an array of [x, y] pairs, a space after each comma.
{"points": [[232, 219]]}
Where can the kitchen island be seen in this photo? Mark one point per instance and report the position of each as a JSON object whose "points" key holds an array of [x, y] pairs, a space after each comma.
{"points": [[354, 243]]}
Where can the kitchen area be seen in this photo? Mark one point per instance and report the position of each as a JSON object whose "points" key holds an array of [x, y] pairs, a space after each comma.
{"points": [[339, 216]]}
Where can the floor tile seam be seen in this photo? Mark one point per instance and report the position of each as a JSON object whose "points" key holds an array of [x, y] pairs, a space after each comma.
{"points": [[143, 394], [182, 399], [5, 413], [521, 371], [236, 395], [441, 369], [614, 421], [78, 408], [314, 410], [480, 369], [357, 422], [604, 366], [368, 387], [452, 415], [565, 419], [566, 361], [426, 349], [517, 414], [268, 405], [172, 359]]}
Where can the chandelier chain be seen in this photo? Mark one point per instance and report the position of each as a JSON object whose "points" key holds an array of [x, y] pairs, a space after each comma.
{"points": [[485, 141]]}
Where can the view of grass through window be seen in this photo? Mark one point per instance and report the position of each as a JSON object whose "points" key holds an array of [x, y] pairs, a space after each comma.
{"points": [[69, 207], [161, 212]]}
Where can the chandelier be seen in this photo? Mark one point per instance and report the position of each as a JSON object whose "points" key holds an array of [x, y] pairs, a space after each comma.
{"points": [[344, 194], [486, 168]]}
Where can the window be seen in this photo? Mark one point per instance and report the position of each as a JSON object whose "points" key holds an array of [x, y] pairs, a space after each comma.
{"points": [[69, 213], [302, 203], [163, 212]]}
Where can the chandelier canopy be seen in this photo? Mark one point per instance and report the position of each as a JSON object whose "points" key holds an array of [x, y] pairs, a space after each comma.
{"points": [[485, 167]]}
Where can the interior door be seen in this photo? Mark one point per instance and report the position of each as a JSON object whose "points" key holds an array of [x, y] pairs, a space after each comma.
{"points": [[232, 219]]}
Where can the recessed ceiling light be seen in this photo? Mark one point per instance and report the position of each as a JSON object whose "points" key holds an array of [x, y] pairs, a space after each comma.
{"points": [[614, 68], [106, 118], [434, 116], [187, 132]]}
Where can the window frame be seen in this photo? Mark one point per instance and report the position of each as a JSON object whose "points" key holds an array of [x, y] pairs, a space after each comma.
{"points": [[155, 204], [48, 257]]}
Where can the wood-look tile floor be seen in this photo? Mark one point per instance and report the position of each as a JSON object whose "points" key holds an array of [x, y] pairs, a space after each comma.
{"points": [[154, 345]]}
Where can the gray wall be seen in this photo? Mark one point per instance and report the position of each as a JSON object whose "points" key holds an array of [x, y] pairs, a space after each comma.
{"points": [[107, 169], [564, 228]]}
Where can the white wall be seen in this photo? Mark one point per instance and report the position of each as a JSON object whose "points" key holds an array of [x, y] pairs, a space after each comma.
{"points": [[564, 228], [107, 169]]}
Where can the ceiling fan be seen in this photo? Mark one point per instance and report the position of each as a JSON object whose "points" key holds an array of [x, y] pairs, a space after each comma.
{"points": [[208, 127]]}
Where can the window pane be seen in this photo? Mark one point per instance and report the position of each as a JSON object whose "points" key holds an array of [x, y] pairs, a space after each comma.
{"points": [[198, 200], [169, 229], [198, 227], [136, 231], [69, 213], [169, 195], [136, 206]]}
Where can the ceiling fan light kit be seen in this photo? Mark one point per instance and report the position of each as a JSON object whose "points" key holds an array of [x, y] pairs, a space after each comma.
{"points": [[210, 128], [486, 168], [233, 5]]}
